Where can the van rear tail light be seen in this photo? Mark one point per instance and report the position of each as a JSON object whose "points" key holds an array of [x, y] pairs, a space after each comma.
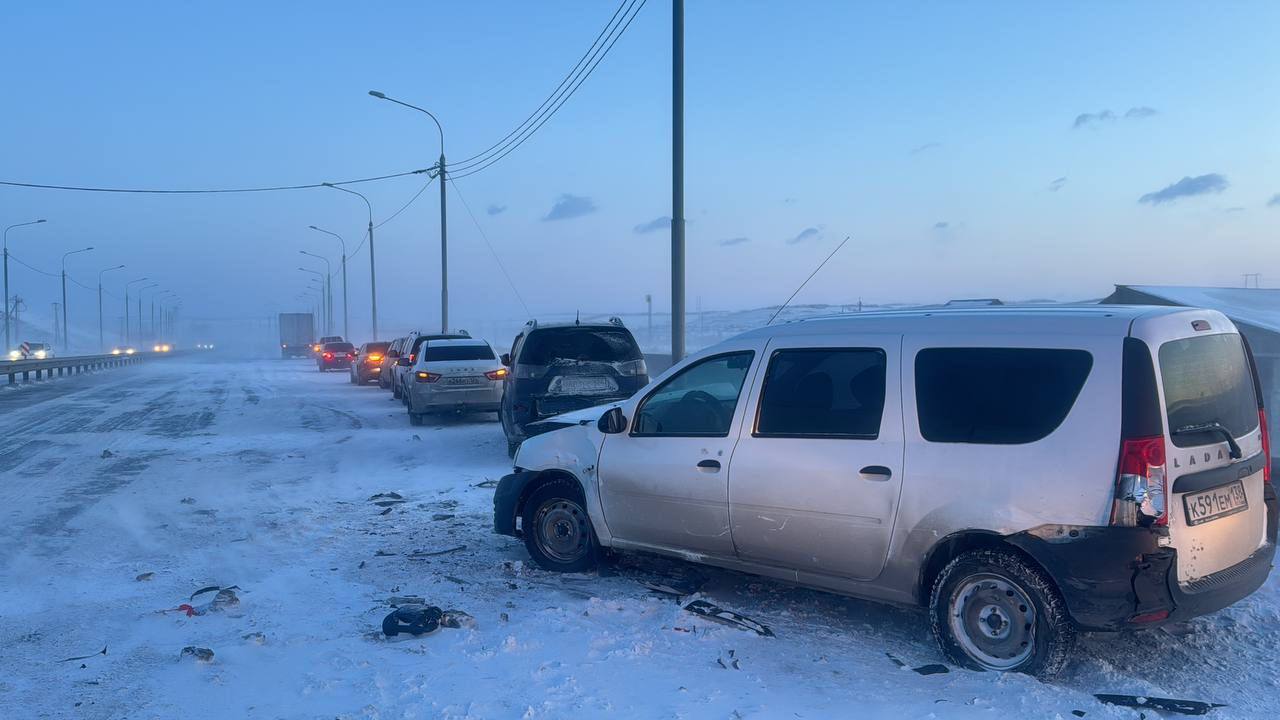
{"points": [[496, 374], [1266, 446], [426, 377], [1142, 493]]}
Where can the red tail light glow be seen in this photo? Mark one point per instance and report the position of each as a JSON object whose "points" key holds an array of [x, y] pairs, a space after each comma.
{"points": [[426, 377], [413, 356], [328, 356], [375, 357], [1142, 493], [496, 374]]}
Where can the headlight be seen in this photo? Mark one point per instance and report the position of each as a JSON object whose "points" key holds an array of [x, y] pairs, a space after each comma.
{"points": [[130, 351], [115, 351], [40, 354], [14, 354]]}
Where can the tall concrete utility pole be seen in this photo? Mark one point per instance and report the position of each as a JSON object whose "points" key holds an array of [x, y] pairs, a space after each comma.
{"points": [[677, 180]]}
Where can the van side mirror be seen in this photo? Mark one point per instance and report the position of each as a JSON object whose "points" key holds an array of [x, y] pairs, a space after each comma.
{"points": [[612, 422], [403, 362], [506, 359]]}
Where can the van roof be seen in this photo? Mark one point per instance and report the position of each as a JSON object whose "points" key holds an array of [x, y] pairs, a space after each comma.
{"points": [[1007, 319]]}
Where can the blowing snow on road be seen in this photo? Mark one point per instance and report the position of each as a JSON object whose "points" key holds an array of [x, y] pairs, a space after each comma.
{"points": [[123, 493]]}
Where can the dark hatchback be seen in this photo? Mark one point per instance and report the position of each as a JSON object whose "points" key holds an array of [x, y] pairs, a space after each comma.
{"points": [[335, 356], [367, 364], [561, 367]]}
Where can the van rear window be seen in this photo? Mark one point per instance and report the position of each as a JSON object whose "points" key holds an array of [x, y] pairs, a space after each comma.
{"points": [[996, 396], [1207, 380]]}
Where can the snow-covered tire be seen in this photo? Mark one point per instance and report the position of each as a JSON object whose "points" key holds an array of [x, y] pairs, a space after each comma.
{"points": [[395, 390], [556, 529], [417, 418], [993, 610]]}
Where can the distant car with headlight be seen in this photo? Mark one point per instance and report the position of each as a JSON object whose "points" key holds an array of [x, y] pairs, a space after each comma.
{"points": [[124, 350], [367, 364], [161, 347], [32, 351], [204, 346]]}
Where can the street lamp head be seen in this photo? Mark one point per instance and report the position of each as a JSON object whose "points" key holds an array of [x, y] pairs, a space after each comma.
{"points": [[313, 227], [39, 221], [326, 184], [378, 94]]}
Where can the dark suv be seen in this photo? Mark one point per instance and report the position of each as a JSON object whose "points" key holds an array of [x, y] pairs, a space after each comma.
{"points": [[560, 367]]}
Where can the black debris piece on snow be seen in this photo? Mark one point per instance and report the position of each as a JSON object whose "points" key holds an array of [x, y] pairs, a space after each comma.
{"points": [[1182, 707], [417, 620], [727, 617], [103, 651]]}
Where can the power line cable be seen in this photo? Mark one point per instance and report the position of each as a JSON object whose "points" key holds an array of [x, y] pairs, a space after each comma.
{"points": [[496, 258], [406, 205], [488, 162], [554, 93], [207, 191]]}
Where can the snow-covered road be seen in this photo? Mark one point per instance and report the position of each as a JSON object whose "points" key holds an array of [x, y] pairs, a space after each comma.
{"points": [[197, 472]]}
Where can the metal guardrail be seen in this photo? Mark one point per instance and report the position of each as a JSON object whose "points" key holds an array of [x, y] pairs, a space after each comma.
{"points": [[58, 367]]}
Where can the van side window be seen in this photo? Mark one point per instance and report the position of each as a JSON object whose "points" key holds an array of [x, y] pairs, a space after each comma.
{"points": [[996, 396], [699, 401], [823, 392]]}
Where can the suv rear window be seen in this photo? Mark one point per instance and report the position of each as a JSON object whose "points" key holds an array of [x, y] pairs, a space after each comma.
{"points": [[1206, 380], [611, 345], [339, 347], [996, 396], [444, 353]]}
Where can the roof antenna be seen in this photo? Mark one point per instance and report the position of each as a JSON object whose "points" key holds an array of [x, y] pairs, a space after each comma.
{"points": [[577, 317], [806, 280]]}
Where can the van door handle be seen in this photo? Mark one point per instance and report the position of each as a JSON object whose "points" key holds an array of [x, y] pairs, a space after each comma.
{"points": [[875, 472], [709, 466]]}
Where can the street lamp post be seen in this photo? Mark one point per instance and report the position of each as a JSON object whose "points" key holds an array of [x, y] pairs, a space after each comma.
{"points": [[324, 315], [444, 226], [140, 291], [328, 282], [157, 296], [66, 335], [102, 345], [7, 339], [346, 329], [373, 278], [126, 307]]}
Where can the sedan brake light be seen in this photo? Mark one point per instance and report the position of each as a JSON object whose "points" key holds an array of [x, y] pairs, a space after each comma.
{"points": [[328, 356]]}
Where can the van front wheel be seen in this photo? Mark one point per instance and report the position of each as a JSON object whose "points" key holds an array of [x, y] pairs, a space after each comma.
{"points": [[556, 529], [992, 610]]}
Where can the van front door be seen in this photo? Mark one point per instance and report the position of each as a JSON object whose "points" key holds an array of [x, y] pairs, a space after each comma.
{"points": [[664, 482], [815, 479]]}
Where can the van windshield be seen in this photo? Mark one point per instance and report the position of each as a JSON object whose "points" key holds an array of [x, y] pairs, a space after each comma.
{"points": [[1207, 380], [552, 345]]}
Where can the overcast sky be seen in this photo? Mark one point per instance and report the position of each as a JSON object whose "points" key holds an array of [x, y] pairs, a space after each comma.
{"points": [[1002, 149]]}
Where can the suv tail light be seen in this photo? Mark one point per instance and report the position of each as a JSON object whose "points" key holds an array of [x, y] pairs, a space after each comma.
{"points": [[427, 377], [632, 368], [496, 374], [1266, 446], [1142, 493], [413, 356]]}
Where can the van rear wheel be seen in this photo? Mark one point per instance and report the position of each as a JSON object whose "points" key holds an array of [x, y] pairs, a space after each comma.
{"points": [[556, 529], [993, 610]]}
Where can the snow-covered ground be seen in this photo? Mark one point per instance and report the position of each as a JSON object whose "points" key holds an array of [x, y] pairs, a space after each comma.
{"points": [[197, 472]]}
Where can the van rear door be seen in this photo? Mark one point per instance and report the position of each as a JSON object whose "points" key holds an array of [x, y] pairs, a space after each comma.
{"points": [[1214, 444]]}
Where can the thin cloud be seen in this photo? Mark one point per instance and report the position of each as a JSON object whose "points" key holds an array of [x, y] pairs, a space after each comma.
{"points": [[941, 225], [496, 209], [1057, 184], [1274, 201], [654, 225], [569, 206], [1084, 119], [810, 233], [1233, 210], [789, 201], [1140, 112], [734, 241], [925, 147], [1187, 187]]}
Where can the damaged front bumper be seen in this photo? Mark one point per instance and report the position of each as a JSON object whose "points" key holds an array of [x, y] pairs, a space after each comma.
{"points": [[506, 501], [1118, 578]]}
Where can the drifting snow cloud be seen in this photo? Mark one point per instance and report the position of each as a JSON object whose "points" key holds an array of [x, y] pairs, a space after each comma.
{"points": [[569, 206], [496, 209], [1274, 201], [1057, 184], [654, 225], [810, 233], [1102, 116], [734, 241], [941, 225], [1138, 113], [925, 147], [1187, 187]]}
